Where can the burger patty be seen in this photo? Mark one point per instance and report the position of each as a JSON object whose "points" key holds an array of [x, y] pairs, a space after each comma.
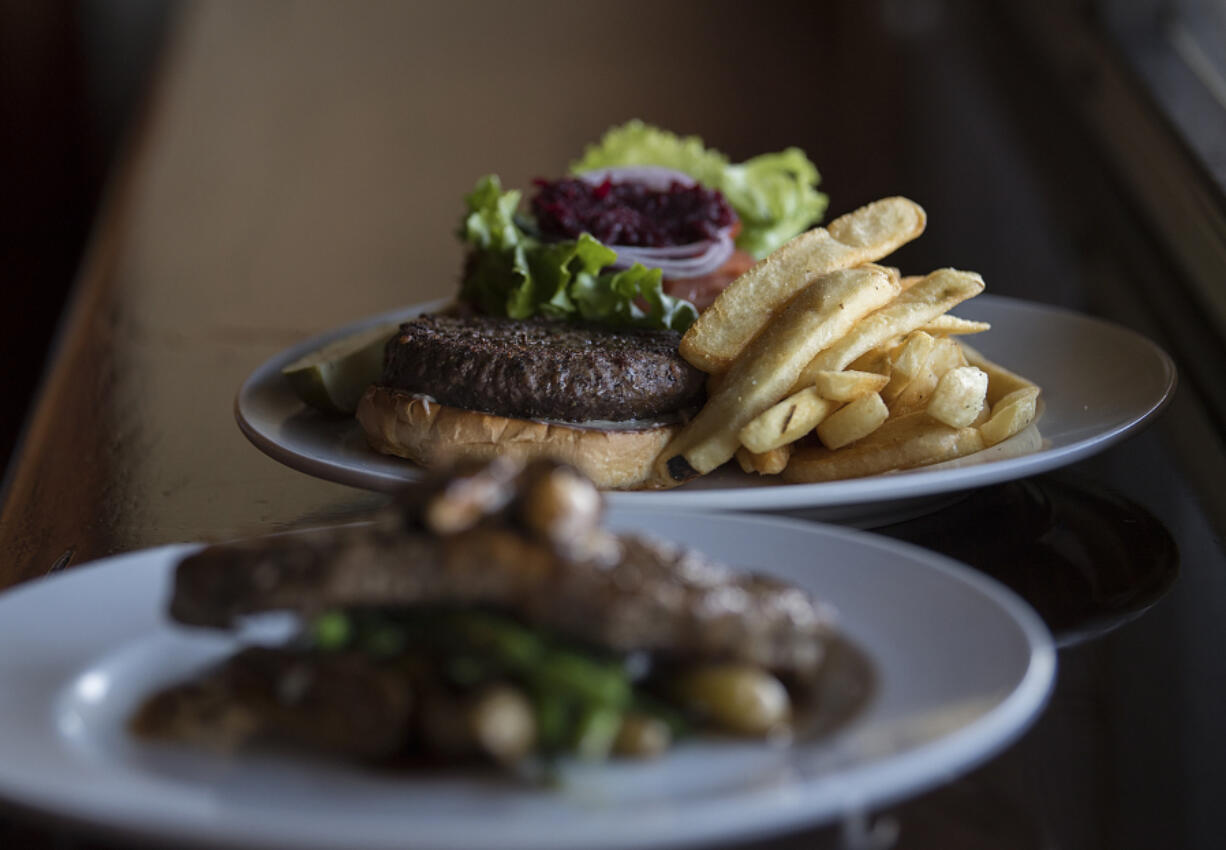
{"points": [[542, 369]]}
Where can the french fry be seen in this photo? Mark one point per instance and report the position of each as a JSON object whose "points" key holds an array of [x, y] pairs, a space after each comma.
{"points": [[901, 443], [879, 361], [786, 421], [1001, 381], [764, 463], [908, 364], [923, 302], [1010, 414], [959, 396], [853, 421], [951, 325], [849, 384], [945, 355], [916, 394], [823, 312], [716, 379], [740, 312]]}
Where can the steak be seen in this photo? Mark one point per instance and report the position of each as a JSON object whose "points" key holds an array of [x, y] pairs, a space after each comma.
{"points": [[543, 369], [343, 703], [647, 596]]}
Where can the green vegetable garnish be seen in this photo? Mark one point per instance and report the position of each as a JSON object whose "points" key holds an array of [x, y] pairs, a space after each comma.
{"points": [[332, 630], [595, 732], [510, 272]]}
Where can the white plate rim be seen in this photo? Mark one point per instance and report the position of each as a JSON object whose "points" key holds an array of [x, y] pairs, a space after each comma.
{"points": [[754, 815], [385, 473]]}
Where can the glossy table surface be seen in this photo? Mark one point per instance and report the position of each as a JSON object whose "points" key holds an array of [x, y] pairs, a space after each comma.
{"points": [[302, 165]]}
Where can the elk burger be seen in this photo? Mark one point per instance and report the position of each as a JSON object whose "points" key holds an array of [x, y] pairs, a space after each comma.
{"points": [[571, 306]]}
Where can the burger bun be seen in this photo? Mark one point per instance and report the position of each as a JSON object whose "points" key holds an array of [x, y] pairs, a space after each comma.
{"points": [[431, 434]]}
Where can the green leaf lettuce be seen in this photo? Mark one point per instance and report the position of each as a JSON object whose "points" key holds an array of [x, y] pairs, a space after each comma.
{"points": [[512, 273]]}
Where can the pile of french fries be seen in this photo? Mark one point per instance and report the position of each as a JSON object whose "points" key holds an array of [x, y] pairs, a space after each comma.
{"points": [[824, 365]]}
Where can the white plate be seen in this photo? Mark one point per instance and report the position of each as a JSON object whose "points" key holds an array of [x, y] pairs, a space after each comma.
{"points": [[1100, 382], [962, 667]]}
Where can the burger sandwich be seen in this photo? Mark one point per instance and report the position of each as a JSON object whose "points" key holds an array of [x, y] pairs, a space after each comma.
{"points": [[563, 340]]}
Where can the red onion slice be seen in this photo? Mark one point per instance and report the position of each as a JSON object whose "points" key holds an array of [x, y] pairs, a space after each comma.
{"points": [[672, 252], [652, 176], [715, 253]]}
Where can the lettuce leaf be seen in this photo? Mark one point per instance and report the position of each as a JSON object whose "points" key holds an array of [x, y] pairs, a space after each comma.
{"points": [[774, 194], [509, 272]]}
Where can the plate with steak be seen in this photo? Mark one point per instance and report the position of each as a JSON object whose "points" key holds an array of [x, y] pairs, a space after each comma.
{"points": [[491, 661]]}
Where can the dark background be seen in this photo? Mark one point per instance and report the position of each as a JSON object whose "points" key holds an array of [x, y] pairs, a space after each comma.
{"points": [[71, 79]]}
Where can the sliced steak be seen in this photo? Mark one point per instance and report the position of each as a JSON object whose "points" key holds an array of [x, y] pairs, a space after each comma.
{"points": [[542, 369], [645, 596], [343, 703]]}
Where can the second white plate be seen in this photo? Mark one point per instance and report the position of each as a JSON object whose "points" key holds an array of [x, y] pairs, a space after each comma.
{"points": [[960, 665]]}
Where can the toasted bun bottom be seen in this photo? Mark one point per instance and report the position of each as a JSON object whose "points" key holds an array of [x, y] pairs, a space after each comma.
{"points": [[429, 433]]}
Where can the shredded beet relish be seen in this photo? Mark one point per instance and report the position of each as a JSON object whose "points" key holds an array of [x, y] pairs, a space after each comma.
{"points": [[630, 213]]}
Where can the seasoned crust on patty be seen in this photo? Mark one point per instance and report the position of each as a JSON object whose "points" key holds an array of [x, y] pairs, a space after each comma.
{"points": [[542, 369]]}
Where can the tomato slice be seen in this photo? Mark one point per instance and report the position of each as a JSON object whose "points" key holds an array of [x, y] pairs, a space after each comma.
{"points": [[702, 291]]}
